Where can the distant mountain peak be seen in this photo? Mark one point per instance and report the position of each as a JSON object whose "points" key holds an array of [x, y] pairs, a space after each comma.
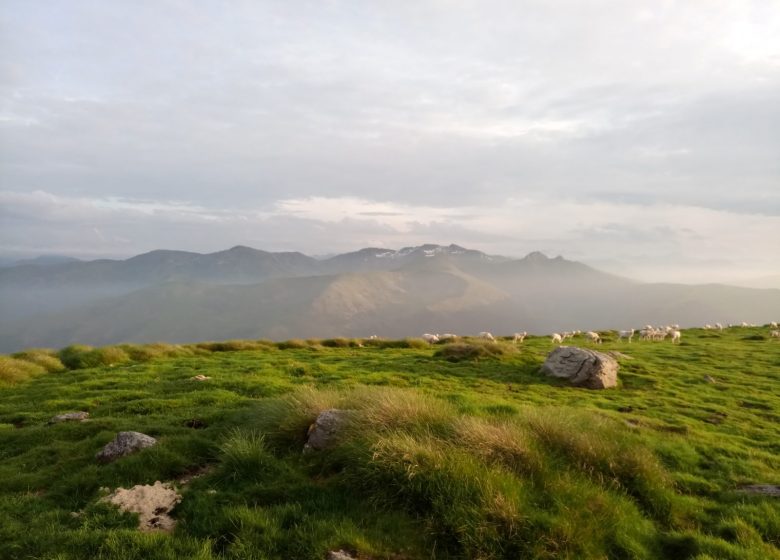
{"points": [[537, 256]]}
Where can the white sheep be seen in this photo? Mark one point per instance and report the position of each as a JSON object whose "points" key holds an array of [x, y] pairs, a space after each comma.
{"points": [[708, 327], [487, 336], [556, 338], [626, 334], [593, 337], [448, 336], [430, 338], [775, 334], [718, 326], [520, 337], [773, 325], [676, 335]]}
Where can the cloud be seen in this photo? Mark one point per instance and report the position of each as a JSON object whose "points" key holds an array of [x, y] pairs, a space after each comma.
{"points": [[607, 130]]}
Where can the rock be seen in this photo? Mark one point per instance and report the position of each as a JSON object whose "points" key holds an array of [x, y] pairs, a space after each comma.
{"points": [[762, 489], [582, 367], [340, 555], [80, 416], [199, 377], [125, 443], [325, 429], [709, 379], [151, 503]]}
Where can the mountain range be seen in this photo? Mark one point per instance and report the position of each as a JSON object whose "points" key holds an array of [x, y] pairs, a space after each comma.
{"points": [[180, 296]]}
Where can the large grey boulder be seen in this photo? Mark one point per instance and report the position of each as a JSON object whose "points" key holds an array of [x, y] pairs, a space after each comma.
{"points": [[125, 443], [582, 367], [325, 429]]}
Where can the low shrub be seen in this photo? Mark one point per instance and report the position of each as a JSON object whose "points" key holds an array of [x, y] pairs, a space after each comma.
{"points": [[155, 350], [292, 344], [78, 356], [460, 351], [339, 342], [233, 345], [47, 359], [13, 370]]}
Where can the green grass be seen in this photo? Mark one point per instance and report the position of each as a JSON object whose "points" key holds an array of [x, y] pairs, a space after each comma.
{"points": [[450, 451]]}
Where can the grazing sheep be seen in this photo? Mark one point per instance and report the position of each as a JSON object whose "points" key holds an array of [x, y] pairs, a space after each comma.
{"points": [[556, 338], [430, 338], [744, 325], [676, 335], [775, 334], [708, 327], [718, 326], [593, 337], [448, 336], [773, 325], [487, 336], [626, 334], [520, 337], [373, 337]]}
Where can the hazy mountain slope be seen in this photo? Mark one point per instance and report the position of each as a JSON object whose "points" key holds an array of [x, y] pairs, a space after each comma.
{"points": [[27, 290], [392, 303], [426, 289]]}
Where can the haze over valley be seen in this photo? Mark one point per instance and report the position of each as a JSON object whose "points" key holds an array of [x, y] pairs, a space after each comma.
{"points": [[179, 296]]}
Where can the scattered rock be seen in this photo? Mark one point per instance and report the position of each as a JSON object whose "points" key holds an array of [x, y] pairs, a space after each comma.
{"points": [[195, 424], [197, 472], [762, 489], [152, 504], [199, 377], [79, 416], [716, 418], [124, 443], [582, 367], [709, 379], [325, 429], [340, 555]]}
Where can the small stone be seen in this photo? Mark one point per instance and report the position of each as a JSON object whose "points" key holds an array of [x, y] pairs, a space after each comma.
{"points": [[762, 489], [199, 377], [325, 430], [125, 443], [79, 416], [340, 555], [709, 379]]}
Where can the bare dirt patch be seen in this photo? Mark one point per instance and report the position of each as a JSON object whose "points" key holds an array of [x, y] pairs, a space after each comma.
{"points": [[152, 504]]}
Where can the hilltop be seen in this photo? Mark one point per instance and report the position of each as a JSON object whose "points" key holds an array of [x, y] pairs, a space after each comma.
{"points": [[247, 293], [441, 457]]}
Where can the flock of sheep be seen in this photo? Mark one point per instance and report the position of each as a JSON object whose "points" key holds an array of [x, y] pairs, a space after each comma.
{"points": [[647, 333]]}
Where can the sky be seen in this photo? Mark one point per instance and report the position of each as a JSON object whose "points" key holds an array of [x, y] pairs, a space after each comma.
{"points": [[640, 137]]}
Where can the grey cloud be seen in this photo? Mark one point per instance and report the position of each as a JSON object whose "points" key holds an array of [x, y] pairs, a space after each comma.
{"points": [[240, 105]]}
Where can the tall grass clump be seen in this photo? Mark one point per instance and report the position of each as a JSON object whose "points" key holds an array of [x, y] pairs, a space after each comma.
{"points": [[542, 484], [13, 370], [292, 344], [233, 345], [155, 350], [45, 358], [78, 356], [244, 456], [339, 342]]}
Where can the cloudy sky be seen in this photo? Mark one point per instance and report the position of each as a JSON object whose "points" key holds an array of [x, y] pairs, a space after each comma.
{"points": [[643, 138]]}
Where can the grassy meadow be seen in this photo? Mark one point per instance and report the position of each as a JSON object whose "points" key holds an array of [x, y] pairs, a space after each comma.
{"points": [[449, 451]]}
